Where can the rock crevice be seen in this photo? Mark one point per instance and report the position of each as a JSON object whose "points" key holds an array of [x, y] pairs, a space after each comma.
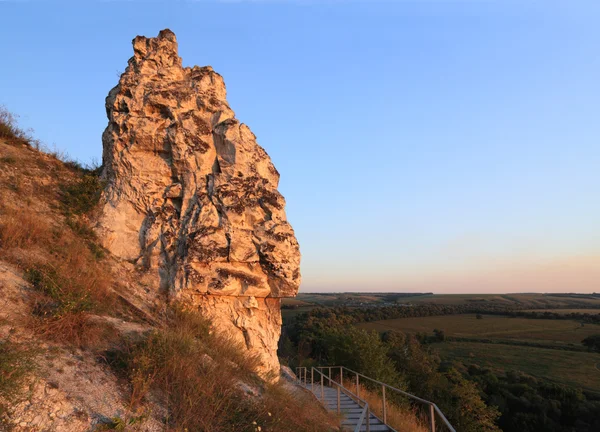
{"points": [[192, 197]]}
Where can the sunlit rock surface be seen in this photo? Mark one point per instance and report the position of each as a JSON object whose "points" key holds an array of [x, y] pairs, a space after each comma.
{"points": [[192, 197]]}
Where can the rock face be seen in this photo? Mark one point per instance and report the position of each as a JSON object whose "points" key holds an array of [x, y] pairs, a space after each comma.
{"points": [[193, 198]]}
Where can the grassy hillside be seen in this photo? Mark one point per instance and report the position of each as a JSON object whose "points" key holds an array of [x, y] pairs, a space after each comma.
{"points": [[86, 345]]}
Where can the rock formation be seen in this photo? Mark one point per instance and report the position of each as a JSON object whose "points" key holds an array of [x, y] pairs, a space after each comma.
{"points": [[193, 198]]}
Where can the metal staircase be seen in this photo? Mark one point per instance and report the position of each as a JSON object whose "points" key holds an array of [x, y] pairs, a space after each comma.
{"points": [[343, 397]]}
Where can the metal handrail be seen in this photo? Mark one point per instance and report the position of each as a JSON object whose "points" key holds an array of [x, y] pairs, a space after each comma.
{"points": [[339, 387], [433, 408], [361, 419]]}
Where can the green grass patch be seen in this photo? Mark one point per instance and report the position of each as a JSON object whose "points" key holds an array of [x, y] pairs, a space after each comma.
{"points": [[579, 369], [81, 196], [559, 332]]}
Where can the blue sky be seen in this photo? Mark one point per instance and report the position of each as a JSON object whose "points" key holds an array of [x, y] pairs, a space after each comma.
{"points": [[446, 146]]}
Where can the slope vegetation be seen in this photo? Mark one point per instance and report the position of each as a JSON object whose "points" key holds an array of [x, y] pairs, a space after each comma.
{"points": [[85, 345]]}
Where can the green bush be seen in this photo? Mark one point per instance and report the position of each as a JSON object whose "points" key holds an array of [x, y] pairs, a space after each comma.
{"points": [[362, 351], [592, 342], [67, 296], [82, 196]]}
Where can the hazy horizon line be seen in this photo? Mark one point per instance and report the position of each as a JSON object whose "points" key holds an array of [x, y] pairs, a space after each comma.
{"points": [[457, 293]]}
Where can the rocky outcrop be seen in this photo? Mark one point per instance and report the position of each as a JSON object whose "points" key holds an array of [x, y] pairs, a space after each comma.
{"points": [[192, 198]]}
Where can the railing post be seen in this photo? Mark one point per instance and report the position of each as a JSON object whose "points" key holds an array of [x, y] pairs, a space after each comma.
{"points": [[357, 389], [312, 378], [432, 417], [322, 391], [384, 407], [338, 400], [305, 373], [341, 376]]}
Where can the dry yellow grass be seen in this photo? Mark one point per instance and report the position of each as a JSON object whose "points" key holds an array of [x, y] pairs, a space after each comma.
{"points": [[402, 417], [60, 261], [22, 230], [198, 375]]}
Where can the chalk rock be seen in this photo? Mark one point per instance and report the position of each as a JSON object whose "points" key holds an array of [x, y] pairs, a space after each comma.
{"points": [[192, 197]]}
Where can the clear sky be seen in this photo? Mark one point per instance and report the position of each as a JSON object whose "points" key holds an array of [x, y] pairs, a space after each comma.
{"points": [[446, 146]]}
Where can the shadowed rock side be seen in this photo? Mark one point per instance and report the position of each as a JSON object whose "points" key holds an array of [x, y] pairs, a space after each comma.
{"points": [[192, 197]]}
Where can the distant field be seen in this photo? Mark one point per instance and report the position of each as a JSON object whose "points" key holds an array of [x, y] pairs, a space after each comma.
{"points": [[567, 311], [560, 332], [294, 302], [566, 367], [532, 301], [318, 298], [456, 299], [286, 314], [538, 301]]}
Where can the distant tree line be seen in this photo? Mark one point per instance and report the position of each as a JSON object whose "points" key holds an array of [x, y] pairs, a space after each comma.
{"points": [[352, 315]]}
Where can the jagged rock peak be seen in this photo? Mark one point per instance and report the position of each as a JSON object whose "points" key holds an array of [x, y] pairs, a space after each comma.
{"points": [[193, 198], [161, 50]]}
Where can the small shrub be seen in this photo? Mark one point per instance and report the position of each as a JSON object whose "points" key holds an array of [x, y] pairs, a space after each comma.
{"points": [[8, 160], [69, 287], [10, 130], [82, 196], [83, 230], [68, 294], [16, 363], [119, 424], [65, 298], [76, 329], [8, 124], [22, 229], [592, 342]]}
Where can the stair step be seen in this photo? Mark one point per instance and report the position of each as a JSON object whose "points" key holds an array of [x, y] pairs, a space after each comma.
{"points": [[372, 422], [376, 428], [356, 415], [351, 411]]}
